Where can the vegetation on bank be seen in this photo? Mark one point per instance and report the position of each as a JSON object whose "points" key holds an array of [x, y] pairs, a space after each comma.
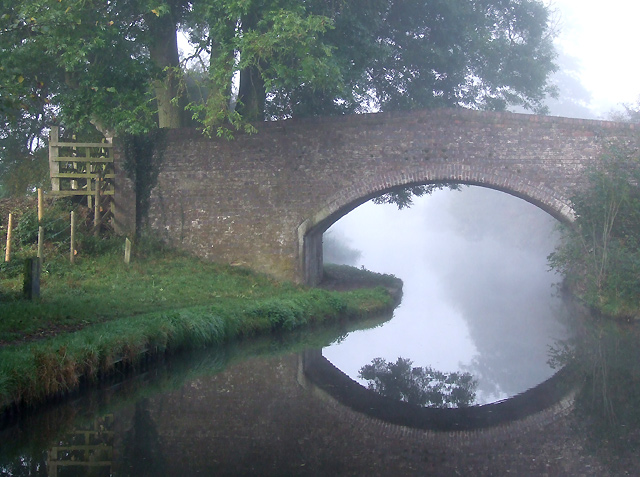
{"points": [[99, 311], [599, 254]]}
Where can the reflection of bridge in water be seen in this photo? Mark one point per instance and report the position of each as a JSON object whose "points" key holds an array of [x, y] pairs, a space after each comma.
{"points": [[536, 406], [274, 416]]}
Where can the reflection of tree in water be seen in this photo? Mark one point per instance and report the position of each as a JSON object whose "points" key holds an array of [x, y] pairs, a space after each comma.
{"points": [[337, 249], [423, 386], [607, 407], [497, 277], [143, 450]]}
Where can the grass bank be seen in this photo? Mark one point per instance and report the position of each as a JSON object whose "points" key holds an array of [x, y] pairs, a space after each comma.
{"points": [[100, 312]]}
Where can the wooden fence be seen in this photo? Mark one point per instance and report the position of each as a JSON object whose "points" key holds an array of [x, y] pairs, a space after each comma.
{"points": [[83, 169], [86, 450]]}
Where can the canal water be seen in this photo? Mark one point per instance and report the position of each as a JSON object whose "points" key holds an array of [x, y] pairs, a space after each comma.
{"points": [[478, 301], [478, 294]]}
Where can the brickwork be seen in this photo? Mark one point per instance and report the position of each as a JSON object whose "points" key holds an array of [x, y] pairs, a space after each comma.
{"points": [[264, 200]]}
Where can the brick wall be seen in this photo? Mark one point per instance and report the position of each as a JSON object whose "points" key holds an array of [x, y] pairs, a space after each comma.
{"points": [[264, 200]]}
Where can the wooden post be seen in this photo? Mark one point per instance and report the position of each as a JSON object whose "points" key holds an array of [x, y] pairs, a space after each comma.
{"points": [[96, 214], [127, 251], [7, 253], [72, 252], [89, 190], [74, 166], [32, 270], [40, 206], [40, 227], [54, 166], [89, 169], [40, 242]]}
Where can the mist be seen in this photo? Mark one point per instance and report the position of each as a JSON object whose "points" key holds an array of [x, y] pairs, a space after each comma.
{"points": [[478, 295]]}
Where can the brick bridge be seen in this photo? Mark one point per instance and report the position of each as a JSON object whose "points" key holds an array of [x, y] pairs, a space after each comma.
{"points": [[264, 200]]}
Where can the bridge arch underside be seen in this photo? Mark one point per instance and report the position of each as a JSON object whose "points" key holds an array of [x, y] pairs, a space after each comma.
{"points": [[312, 229]]}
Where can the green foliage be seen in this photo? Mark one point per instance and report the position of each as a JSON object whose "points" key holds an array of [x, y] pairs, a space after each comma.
{"points": [[22, 171], [600, 253], [607, 355], [116, 64], [345, 276], [403, 198], [55, 222], [281, 314], [416, 385]]}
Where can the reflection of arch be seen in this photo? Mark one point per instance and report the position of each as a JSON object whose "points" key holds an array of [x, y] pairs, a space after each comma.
{"points": [[540, 403], [311, 230]]}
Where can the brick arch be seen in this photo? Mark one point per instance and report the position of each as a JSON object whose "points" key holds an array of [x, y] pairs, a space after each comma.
{"points": [[311, 230]]}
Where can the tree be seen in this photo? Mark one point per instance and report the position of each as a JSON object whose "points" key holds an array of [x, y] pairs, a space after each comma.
{"points": [[116, 64], [631, 113], [599, 254], [421, 386], [403, 197], [479, 54], [97, 60], [293, 58]]}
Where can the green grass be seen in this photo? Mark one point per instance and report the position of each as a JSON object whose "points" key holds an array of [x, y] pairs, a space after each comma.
{"points": [[104, 288], [100, 311]]}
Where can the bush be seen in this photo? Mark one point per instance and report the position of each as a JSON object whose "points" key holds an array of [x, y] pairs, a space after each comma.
{"points": [[55, 221], [600, 253]]}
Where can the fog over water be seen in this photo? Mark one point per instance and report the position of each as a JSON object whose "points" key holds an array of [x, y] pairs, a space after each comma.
{"points": [[478, 295]]}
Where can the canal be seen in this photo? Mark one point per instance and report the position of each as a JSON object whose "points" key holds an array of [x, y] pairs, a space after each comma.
{"points": [[550, 391]]}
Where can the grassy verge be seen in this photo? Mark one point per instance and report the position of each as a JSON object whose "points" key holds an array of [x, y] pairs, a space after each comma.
{"points": [[100, 312], [50, 423]]}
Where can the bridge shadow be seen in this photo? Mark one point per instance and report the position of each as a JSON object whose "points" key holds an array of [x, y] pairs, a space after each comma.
{"points": [[541, 403]]}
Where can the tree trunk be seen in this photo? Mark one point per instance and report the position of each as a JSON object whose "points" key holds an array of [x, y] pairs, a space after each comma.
{"points": [[163, 50], [251, 91], [251, 94]]}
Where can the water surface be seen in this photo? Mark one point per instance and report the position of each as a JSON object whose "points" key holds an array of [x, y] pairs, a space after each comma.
{"points": [[478, 295]]}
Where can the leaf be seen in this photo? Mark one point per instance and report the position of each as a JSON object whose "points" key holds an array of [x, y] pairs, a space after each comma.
{"points": [[20, 79]]}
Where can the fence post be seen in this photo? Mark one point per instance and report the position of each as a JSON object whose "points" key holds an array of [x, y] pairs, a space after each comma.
{"points": [[96, 214], [89, 169], [127, 251], [54, 166], [7, 253], [40, 227], [32, 269], [40, 205], [41, 243], [72, 252]]}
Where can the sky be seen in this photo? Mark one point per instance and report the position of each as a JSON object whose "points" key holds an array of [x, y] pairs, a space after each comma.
{"points": [[602, 37]]}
